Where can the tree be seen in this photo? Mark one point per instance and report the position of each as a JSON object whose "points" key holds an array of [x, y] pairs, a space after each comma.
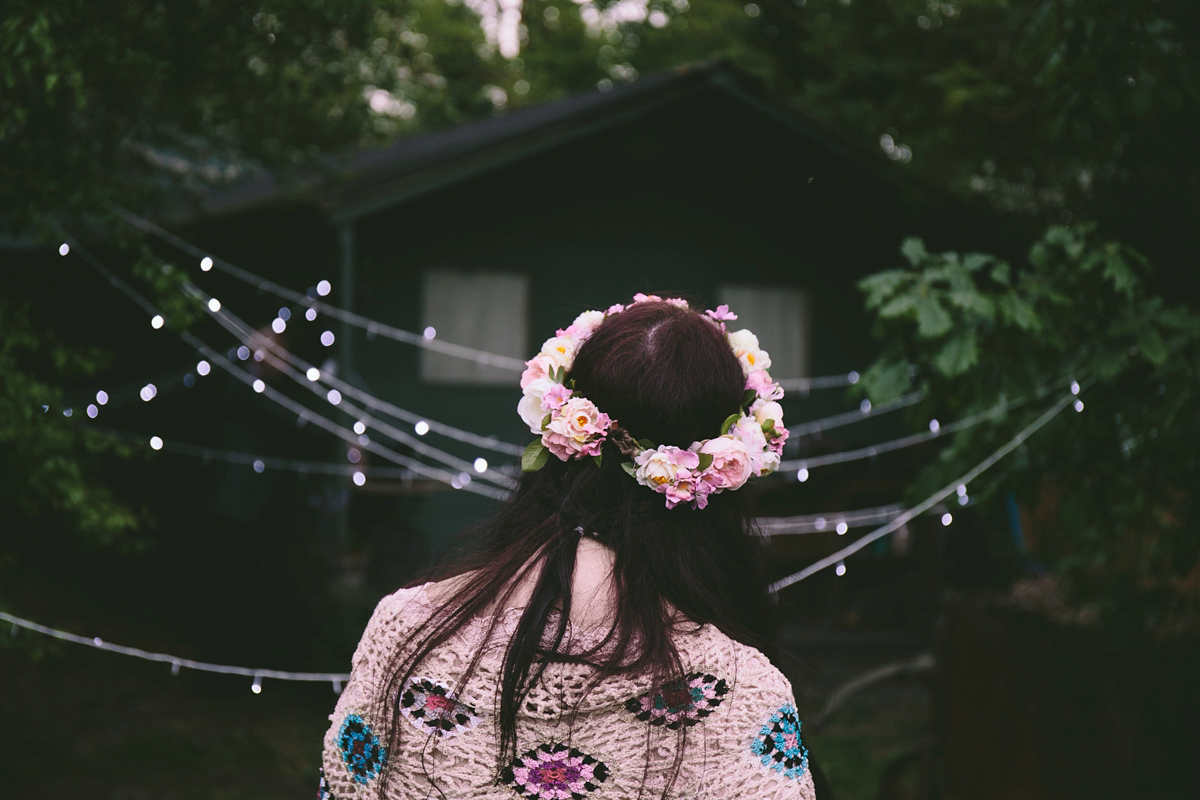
{"points": [[974, 334]]}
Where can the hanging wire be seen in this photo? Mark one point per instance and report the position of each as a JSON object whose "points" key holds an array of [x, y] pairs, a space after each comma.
{"points": [[865, 411], [336, 678], [299, 374], [901, 519], [300, 410]]}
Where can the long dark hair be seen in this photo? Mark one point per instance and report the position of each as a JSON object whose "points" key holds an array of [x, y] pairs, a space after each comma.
{"points": [[666, 374]]}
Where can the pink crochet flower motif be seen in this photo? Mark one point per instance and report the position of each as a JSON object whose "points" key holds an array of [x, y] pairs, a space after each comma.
{"points": [[555, 772]]}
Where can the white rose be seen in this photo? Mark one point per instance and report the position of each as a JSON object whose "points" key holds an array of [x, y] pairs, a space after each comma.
{"points": [[745, 347], [586, 322], [654, 468], [769, 412], [530, 407], [560, 350], [769, 462]]}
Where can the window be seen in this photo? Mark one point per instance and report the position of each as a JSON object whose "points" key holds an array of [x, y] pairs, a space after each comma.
{"points": [[779, 318], [487, 311]]}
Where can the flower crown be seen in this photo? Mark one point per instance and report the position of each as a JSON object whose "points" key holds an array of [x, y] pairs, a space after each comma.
{"points": [[571, 427]]}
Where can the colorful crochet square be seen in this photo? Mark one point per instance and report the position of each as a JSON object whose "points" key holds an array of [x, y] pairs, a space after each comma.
{"points": [[429, 707], [361, 750], [681, 703], [323, 792], [555, 772], [778, 744]]}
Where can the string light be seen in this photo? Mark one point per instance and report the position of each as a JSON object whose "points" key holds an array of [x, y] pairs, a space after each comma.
{"points": [[156, 443], [421, 428], [175, 661], [802, 474], [354, 455], [64, 248], [842, 527], [148, 392], [259, 355], [1079, 405], [259, 386], [840, 569], [214, 305], [900, 520], [256, 687], [359, 478], [310, 314], [430, 332], [102, 397], [258, 466], [324, 288], [157, 321], [285, 313], [865, 406], [67, 412], [327, 338], [334, 396], [243, 353], [947, 518], [312, 373], [206, 264], [819, 523], [360, 427], [934, 426], [1074, 387], [481, 465], [278, 325], [93, 410], [203, 367]]}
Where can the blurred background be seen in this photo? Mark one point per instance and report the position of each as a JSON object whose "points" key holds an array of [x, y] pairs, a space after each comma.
{"points": [[268, 272]]}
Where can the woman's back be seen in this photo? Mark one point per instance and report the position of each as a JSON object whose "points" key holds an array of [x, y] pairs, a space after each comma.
{"points": [[742, 734]]}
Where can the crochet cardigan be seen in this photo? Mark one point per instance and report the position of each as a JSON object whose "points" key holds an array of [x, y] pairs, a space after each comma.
{"points": [[742, 731]]}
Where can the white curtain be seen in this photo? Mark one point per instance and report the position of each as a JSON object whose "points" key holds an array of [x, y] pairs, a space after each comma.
{"points": [[780, 320], [484, 310]]}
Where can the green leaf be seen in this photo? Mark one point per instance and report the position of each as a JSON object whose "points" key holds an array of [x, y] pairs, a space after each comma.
{"points": [[768, 429], [898, 306], [1014, 309], [879, 286], [546, 421], [728, 423], [914, 250], [1117, 270], [748, 397], [645, 444], [598, 458], [560, 374], [977, 261], [706, 460], [1152, 345], [957, 356], [629, 467], [975, 302], [885, 381], [1002, 273], [932, 319], [534, 457]]}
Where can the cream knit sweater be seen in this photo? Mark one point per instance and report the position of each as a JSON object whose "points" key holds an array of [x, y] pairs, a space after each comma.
{"points": [[742, 732]]}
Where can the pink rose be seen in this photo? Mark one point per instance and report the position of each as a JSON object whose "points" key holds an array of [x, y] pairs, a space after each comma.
{"points": [[661, 466], [747, 431], [536, 368], [731, 465], [615, 308], [555, 397], [646, 298], [766, 389], [577, 428]]}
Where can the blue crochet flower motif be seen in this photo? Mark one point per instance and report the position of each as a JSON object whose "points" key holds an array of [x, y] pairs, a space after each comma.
{"points": [[778, 744], [361, 750]]}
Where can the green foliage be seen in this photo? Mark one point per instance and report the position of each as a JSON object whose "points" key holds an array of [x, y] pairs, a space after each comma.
{"points": [[46, 460], [973, 333], [534, 457]]}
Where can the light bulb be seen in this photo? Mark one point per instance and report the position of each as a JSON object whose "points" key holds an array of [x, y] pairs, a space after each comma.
{"points": [[243, 353], [359, 478], [334, 396], [311, 314], [259, 386], [354, 455], [422, 428], [865, 406], [842, 527], [324, 288], [947, 518], [285, 313], [156, 443], [102, 397], [206, 264], [963, 499], [934, 426], [802, 474], [278, 325], [256, 687], [214, 305], [852, 377], [1079, 405], [312, 373], [481, 465], [360, 427], [1074, 387], [962, 490], [840, 569], [259, 466], [64, 248], [148, 392], [327, 338], [430, 332], [819, 523], [157, 321], [203, 368], [92, 411]]}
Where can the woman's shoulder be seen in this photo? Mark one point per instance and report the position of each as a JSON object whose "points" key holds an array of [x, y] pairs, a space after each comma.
{"points": [[740, 664]]}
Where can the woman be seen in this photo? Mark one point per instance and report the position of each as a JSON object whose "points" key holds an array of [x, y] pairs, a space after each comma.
{"points": [[605, 640]]}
